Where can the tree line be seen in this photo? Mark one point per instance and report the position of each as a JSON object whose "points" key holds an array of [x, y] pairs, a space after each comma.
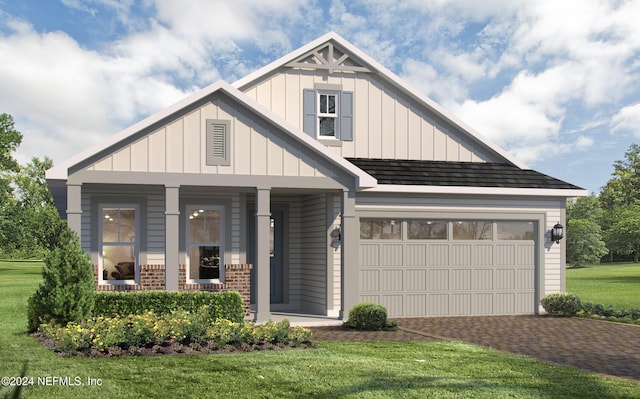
{"points": [[607, 226], [30, 225]]}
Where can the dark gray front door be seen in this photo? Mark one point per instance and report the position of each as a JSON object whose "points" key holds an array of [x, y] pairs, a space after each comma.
{"points": [[276, 254]]}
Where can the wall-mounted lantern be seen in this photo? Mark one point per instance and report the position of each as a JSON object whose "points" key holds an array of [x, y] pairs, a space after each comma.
{"points": [[557, 232], [335, 238]]}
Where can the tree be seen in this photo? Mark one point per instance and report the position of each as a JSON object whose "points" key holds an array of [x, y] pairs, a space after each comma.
{"points": [[624, 186], [624, 234], [67, 292], [584, 243], [10, 139], [585, 208]]}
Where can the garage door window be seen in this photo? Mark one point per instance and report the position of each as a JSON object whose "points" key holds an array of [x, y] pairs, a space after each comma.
{"points": [[472, 230], [380, 229], [427, 229], [515, 230]]}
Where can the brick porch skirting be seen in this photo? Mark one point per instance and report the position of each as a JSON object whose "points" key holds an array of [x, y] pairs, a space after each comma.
{"points": [[152, 277]]}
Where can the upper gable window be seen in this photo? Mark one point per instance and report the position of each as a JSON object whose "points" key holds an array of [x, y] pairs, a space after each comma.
{"points": [[328, 113]]}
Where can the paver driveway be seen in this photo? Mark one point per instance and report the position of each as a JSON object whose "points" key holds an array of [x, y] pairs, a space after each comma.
{"points": [[603, 347]]}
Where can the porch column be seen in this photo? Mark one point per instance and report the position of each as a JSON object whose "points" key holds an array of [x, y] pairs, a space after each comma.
{"points": [[262, 261], [74, 208], [172, 235], [350, 242]]}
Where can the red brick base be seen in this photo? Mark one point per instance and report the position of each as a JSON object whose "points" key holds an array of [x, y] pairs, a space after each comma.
{"points": [[152, 277]]}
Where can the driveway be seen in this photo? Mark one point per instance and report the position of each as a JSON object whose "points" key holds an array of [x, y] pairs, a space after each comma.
{"points": [[603, 347]]}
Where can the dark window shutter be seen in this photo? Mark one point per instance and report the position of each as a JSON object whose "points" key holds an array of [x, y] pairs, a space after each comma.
{"points": [[309, 121], [346, 116]]}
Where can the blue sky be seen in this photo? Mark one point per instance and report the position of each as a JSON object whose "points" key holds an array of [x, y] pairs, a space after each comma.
{"points": [[555, 83]]}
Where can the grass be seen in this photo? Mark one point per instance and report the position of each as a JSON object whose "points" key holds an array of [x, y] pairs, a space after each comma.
{"points": [[438, 369], [607, 284]]}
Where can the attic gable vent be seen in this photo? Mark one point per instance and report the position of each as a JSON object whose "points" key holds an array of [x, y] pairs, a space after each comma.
{"points": [[218, 142]]}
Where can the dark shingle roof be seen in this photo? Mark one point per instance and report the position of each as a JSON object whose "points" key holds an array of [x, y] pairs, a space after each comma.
{"points": [[466, 174]]}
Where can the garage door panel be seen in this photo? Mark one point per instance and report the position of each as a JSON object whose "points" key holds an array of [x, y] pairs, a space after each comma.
{"points": [[391, 280], [369, 255], [393, 303], [415, 280], [415, 305], [482, 279], [438, 305], [525, 279], [504, 302], [482, 255], [391, 255], [461, 280], [505, 279], [524, 301], [416, 255], [461, 255], [438, 255], [460, 304], [438, 280], [483, 303]]}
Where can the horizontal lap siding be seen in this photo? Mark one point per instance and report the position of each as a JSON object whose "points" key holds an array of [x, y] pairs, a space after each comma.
{"points": [[314, 253]]}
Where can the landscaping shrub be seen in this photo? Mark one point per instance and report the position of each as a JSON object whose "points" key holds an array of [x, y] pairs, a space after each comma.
{"points": [[174, 332], [369, 316], [68, 292], [220, 305], [561, 304]]}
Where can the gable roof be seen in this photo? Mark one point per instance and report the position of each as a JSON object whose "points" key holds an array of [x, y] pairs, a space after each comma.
{"points": [[61, 171], [445, 176], [365, 62]]}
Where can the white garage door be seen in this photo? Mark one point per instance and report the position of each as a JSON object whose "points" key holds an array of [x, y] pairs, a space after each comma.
{"points": [[422, 267]]}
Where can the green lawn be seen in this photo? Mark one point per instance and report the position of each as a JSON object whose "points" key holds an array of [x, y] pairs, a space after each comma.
{"points": [[346, 370], [615, 284]]}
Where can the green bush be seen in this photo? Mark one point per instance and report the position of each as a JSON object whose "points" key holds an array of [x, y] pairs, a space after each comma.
{"points": [[561, 304], [67, 292], [369, 316], [112, 335], [220, 305]]}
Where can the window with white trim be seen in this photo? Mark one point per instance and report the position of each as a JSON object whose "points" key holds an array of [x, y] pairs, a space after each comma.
{"points": [[119, 244], [205, 244], [328, 114]]}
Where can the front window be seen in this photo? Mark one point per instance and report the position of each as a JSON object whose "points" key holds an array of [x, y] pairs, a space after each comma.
{"points": [[119, 243], [205, 244], [327, 115]]}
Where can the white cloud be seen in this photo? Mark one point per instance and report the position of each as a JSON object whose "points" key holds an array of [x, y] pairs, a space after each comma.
{"points": [[627, 120]]}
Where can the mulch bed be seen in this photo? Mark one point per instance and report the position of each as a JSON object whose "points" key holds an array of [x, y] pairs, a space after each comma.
{"points": [[349, 335]]}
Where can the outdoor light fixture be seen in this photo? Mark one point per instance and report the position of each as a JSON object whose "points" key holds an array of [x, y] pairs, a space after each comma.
{"points": [[557, 232]]}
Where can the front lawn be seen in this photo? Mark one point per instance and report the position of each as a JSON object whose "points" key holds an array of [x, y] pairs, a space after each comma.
{"points": [[616, 284], [335, 369]]}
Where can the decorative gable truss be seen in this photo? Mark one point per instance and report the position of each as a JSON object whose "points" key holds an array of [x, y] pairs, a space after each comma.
{"points": [[329, 58]]}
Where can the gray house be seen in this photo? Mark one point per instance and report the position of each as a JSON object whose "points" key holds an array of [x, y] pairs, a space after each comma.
{"points": [[317, 182]]}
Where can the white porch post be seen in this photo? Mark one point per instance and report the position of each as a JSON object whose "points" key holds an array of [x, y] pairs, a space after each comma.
{"points": [[262, 260], [172, 228], [350, 242], [74, 208]]}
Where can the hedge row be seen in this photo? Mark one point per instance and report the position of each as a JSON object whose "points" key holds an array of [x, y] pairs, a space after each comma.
{"points": [[221, 305], [567, 304]]}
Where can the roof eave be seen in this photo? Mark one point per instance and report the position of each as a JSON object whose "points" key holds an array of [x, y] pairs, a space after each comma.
{"points": [[466, 190]]}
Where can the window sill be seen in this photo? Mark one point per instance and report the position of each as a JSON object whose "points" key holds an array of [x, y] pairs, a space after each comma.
{"points": [[118, 282], [331, 142]]}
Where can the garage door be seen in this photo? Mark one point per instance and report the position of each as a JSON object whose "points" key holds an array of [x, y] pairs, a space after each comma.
{"points": [[421, 267]]}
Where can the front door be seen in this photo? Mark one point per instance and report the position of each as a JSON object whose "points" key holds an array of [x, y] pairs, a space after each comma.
{"points": [[276, 254]]}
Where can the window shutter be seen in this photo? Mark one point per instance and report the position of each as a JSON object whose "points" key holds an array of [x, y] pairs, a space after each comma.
{"points": [[346, 116], [309, 109], [217, 142]]}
